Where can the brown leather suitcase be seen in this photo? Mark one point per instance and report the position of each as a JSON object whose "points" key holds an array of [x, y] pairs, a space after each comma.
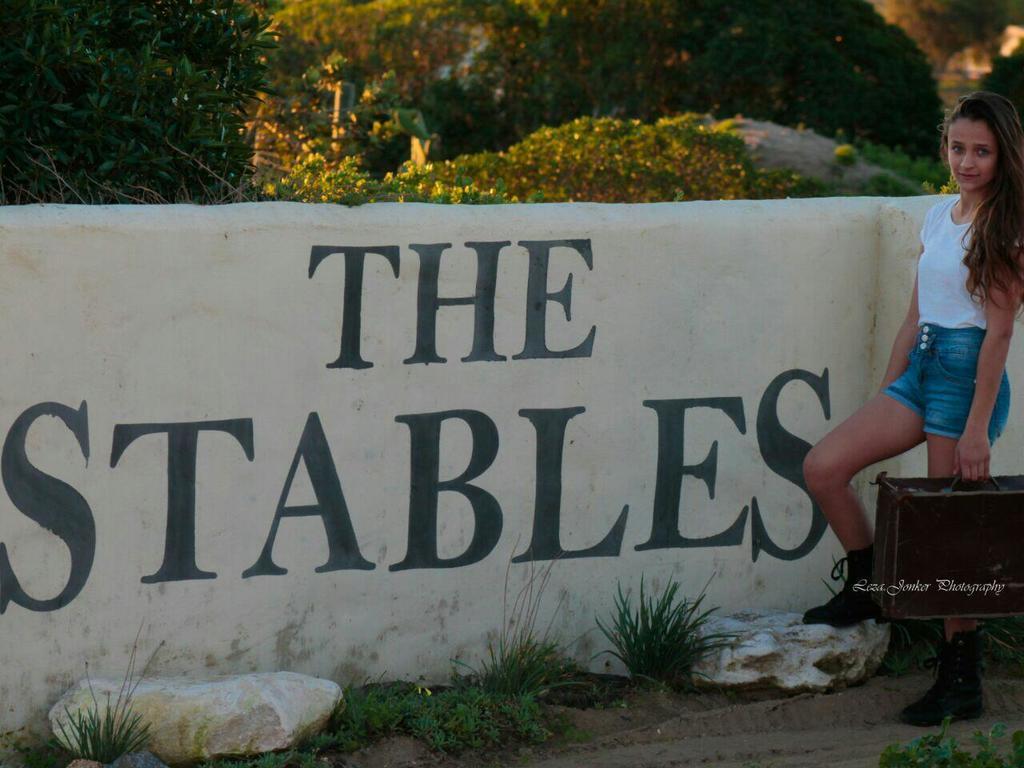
{"points": [[948, 547]]}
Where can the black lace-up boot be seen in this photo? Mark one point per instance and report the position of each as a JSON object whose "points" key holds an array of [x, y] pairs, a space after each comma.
{"points": [[957, 689], [849, 606]]}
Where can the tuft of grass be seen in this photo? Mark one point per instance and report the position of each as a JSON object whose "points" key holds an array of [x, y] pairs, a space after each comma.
{"points": [[914, 640], [105, 733], [911, 641], [520, 661], [939, 750], [660, 639], [1004, 639]]}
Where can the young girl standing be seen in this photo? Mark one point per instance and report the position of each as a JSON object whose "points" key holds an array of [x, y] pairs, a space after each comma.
{"points": [[945, 383]]}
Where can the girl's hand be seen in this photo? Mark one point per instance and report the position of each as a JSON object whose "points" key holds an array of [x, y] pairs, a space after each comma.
{"points": [[971, 457]]}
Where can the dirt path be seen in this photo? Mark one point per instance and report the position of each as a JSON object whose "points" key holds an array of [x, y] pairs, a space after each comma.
{"points": [[846, 729]]}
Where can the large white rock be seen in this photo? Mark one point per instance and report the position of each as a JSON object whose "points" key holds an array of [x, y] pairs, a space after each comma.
{"points": [[777, 650], [232, 715]]}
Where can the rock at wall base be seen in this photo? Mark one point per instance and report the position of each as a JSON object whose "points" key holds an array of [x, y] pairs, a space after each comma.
{"points": [[138, 760], [777, 650], [192, 720]]}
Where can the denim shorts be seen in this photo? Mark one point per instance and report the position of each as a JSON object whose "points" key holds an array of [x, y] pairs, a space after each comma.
{"points": [[938, 385]]}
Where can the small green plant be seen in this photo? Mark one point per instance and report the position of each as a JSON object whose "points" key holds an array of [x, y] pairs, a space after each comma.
{"points": [[939, 750], [1004, 639], [104, 733], [464, 717], [846, 154], [910, 643], [917, 171], [660, 639], [521, 662]]}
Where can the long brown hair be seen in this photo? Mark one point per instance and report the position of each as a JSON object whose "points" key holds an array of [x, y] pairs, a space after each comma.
{"points": [[993, 255]]}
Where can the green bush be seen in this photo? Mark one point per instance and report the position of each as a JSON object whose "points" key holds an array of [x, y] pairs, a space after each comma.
{"points": [[589, 159], [117, 101], [937, 750], [1007, 78], [626, 161], [919, 170], [314, 180]]}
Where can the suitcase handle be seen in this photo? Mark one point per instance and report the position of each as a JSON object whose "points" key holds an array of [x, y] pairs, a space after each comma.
{"points": [[958, 479]]}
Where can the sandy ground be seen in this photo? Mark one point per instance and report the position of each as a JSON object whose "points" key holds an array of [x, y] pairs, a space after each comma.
{"points": [[845, 729]]}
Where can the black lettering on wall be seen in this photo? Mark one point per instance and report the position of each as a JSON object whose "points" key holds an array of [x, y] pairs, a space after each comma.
{"points": [[537, 298], [671, 470], [784, 454], [428, 302], [352, 304], [51, 503], [182, 440], [425, 485], [550, 424], [330, 507]]}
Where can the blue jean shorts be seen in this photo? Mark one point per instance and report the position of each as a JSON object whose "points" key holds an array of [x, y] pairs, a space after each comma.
{"points": [[938, 385]]}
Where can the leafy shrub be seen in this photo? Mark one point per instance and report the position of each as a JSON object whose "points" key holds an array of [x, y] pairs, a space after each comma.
{"points": [[118, 101], [846, 154], [659, 639], [817, 64], [938, 750], [609, 160], [920, 170], [314, 180]]}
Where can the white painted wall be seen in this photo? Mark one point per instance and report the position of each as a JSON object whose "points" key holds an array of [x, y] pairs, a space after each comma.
{"points": [[184, 314]]}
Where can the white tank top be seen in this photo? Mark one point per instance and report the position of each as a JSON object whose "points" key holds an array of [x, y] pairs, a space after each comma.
{"points": [[942, 297]]}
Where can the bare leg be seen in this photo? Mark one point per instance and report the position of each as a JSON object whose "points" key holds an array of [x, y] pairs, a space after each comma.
{"points": [[880, 429], [940, 464]]}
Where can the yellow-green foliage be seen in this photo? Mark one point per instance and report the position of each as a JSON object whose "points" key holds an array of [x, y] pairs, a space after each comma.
{"points": [[590, 159], [626, 161], [314, 180], [846, 154]]}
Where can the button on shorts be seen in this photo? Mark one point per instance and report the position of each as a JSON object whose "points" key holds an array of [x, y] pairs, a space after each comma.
{"points": [[938, 385]]}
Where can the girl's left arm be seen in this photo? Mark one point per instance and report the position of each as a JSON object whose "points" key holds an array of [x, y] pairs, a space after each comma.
{"points": [[971, 459]]}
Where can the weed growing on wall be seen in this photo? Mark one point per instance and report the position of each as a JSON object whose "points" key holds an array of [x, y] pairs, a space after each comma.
{"points": [[659, 639]]}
